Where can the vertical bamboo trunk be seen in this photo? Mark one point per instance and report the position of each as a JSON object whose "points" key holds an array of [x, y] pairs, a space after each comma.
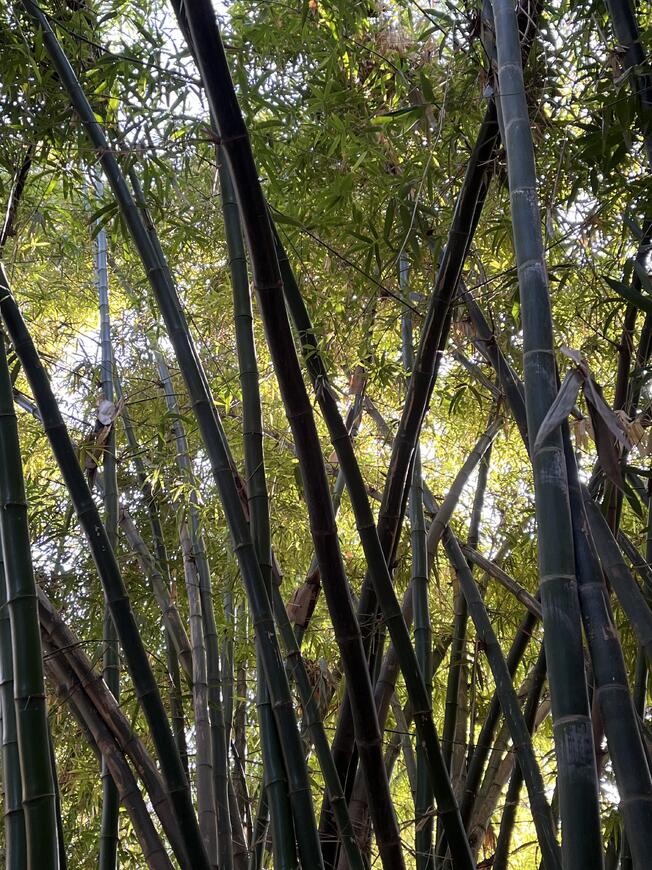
{"points": [[109, 832], [14, 817], [214, 750], [258, 502], [581, 839], [423, 808], [38, 794], [214, 439]]}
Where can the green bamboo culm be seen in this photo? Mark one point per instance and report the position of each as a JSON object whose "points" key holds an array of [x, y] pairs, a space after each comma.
{"points": [[38, 792], [217, 740], [257, 497], [423, 807], [213, 436], [111, 662], [135, 654], [14, 817], [576, 765]]}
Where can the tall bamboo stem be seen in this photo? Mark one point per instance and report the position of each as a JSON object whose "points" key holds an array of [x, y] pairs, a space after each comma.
{"points": [[14, 817], [258, 502], [38, 794], [217, 81], [109, 831], [577, 773]]}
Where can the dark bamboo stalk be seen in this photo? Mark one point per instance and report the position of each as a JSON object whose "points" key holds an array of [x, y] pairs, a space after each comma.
{"points": [[29, 693], [258, 503], [611, 687], [14, 816], [110, 802], [581, 839], [619, 576], [423, 807], [378, 571], [112, 582], [315, 725], [634, 59], [226, 112], [214, 439], [521, 739]]}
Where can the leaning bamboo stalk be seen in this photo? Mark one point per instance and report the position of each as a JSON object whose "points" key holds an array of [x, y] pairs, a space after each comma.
{"points": [[611, 683], [126, 786], [258, 504], [57, 635], [448, 504], [203, 755], [197, 553], [581, 840], [513, 792], [109, 824], [315, 725], [14, 816], [226, 112], [620, 577], [423, 831], [521, 739], [378, 570], [214, 439], [513, 586], [135, 654], [29, 691]]}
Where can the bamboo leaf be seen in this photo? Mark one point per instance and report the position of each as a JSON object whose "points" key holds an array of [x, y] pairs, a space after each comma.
{"points": [[561, 407]]}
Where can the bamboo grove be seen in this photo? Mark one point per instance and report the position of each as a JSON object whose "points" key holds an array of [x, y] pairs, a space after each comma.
{"points": [[325, 434]]}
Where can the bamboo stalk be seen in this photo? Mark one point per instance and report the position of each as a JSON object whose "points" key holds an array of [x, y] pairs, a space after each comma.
{"points": [[135, 654], [611, 683], [109, 830], [619, 576], [581, 840], [214, 439], [378, 571], [215, 74], [29, 692], [508, 818], [258, 503], [423, 807], [14, 816]]}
